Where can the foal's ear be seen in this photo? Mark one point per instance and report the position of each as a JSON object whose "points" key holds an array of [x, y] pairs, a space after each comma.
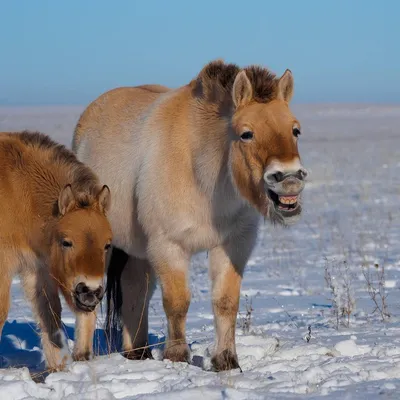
{"points": [[286, 86], [66, 200], [104, 199], [242, 92]]}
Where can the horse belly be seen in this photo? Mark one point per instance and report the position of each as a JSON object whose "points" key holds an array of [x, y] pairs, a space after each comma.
{"points": [[128, 235]]}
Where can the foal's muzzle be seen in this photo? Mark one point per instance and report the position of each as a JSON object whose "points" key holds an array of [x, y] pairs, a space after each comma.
{"points": [[86, 299]]}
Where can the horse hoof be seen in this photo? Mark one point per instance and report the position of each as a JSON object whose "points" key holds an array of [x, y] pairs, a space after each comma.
{"points": [[84, 356], [141, 354], [177, 353], [225, 361]]}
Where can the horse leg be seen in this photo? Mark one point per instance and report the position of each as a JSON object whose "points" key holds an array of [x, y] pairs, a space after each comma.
{"points": [[8, 266], [171, 265], [227, 264], [42, 293], [137, 286], [5, 289], [84, 332]]}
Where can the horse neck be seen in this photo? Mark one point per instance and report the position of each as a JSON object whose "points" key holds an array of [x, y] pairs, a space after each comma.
{"points": [[210, 149], [46, 188]]}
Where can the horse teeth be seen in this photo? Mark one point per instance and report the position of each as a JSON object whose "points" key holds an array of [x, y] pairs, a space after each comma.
{"points": [[288, 199]]}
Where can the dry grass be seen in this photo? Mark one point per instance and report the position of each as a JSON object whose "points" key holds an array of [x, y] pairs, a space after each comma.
{"points": [[339, 278], [376, 289]]}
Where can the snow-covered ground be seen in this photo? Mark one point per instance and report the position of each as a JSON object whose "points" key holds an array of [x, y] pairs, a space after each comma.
{"points": [[351, 218]]}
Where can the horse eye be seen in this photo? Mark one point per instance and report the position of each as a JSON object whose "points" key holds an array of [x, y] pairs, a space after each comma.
{"points": [[296, 132], [107, 247], [246, 136], [66, 243]]}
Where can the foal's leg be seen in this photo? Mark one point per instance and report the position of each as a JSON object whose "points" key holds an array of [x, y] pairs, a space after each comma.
{"points": [[5, 288], [227, 264], [42, 292], [84, 332], [137, 286], [171, 265], [7, 269]]}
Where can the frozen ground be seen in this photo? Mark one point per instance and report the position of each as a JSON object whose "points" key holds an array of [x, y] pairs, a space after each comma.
{"points": [[351, 214]]}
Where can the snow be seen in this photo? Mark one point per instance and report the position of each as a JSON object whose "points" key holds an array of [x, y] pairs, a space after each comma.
{"points": [[290, 348]]}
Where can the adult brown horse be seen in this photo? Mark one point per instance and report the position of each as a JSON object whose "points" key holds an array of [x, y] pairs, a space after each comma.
{"points": [[53, 233], [192, 169]]}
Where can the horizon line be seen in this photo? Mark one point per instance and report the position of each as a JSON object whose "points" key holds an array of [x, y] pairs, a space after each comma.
{"points": [[295, 103]]}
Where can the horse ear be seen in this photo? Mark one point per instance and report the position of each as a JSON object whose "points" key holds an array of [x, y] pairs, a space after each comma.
{"points": [[242, 91], [104, 199], [286, 86], [66, 200]]}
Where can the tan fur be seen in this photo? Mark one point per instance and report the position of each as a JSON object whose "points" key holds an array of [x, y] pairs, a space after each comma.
{"points": [[84, 329], [187, 182], [226, 292], [176, 300], [47, 197]]}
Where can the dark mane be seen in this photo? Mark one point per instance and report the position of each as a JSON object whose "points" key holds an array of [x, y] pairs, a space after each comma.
{"points": [[84, 181], [217, 75], [41, 141]]}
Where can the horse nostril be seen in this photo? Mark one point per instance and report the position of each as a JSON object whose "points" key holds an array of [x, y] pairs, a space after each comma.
{"points": [[278, 176], [99, 292], [302, 173]]}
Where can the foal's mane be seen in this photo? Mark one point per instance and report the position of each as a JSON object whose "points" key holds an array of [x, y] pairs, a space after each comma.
{"points": [[83, 180], [219, 76]]}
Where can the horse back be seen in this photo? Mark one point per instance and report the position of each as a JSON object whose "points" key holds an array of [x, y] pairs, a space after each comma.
{"points": [[114, 113], [15, 198]]}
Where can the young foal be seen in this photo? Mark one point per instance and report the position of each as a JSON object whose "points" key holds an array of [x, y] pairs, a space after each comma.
{"points": [[54, 234], [194, 168]]}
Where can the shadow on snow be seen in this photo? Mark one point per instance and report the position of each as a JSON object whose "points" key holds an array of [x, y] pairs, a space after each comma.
{"points": [[20, 345]]}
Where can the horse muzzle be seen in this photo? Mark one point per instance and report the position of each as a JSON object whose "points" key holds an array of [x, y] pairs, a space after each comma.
{"points": [[86, 299], [285, 195]]}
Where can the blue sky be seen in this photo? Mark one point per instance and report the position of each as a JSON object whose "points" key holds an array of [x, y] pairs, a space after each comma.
{"points": [[69, 52]]}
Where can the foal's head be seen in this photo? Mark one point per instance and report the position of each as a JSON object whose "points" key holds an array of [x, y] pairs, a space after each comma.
{"points": [[265, 161], [80, 239]]}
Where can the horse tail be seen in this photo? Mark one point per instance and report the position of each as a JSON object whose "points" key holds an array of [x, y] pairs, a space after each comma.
{"points": [[114, 297]]}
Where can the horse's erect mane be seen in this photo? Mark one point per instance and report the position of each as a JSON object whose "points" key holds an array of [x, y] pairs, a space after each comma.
{"points": [[84, 180], [222, 76]]}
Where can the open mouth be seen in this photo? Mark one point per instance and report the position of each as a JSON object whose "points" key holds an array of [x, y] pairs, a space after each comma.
{"points": [[83, 307], [284, 203]]}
